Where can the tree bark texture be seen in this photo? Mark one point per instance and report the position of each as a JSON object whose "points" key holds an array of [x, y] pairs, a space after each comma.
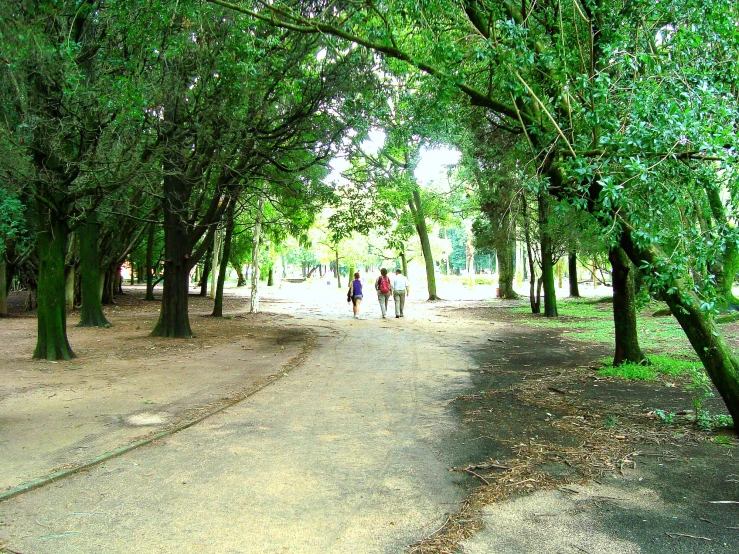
{"points": [[419, 217], [91, 313], [624, 310], [51, 342], [174, 319]]}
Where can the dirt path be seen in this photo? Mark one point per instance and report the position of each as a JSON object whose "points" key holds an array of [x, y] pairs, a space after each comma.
{"points": [[345, 454], [347, 443]]}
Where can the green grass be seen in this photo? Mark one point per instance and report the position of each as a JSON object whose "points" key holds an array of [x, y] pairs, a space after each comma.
{"points": [[591, 320], [659, 365]]}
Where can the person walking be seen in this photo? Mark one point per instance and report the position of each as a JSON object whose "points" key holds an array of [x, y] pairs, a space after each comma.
{"points": [[384, 289], [355, 292], [400, 291]]}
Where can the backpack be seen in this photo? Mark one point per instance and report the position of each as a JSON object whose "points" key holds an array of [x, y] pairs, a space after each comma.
{"points": [[384, 285]]}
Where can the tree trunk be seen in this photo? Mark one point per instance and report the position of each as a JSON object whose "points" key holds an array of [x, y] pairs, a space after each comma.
{"points": [[533, 295], [726, 269], [547, 255], [206, 272], [404, 263], [254, 300], [710, 346], [217, 247], [52, 343], [150, 264], [3, 289], [218, 305], [239, 269], [271, 277], [574, 287], [91, 314], [69, 278], [174, 320], [504, 244], [109, 286], [624, 311], [419, 217]]}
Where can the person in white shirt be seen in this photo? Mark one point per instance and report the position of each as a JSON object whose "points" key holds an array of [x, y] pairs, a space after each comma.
{"points": [[400, 291]]}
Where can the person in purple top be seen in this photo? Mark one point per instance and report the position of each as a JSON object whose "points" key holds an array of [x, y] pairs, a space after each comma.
{"points": [[355, 291]]}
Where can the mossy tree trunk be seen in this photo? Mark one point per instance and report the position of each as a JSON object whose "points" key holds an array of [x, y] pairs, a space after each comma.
{"points": [[419, 218], [547, 257], [572, 263], [271, 276], [716, 354], [52, 343], [505, 245], [624, 310], [218, 305], [727, 267], [91, 314]]}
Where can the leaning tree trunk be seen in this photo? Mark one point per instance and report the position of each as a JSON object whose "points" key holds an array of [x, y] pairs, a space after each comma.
{"points": [[710, 346], [218, 305], [624, 310], [419, 217], [91, 314], [52, 343], [150, 264], [174, 319], [574, 287], [547, 257]]}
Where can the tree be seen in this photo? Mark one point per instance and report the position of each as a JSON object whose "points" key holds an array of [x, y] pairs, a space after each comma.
{"points": [[545, 72]]}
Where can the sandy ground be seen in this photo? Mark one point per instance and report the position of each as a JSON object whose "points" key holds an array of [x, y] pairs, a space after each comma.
{"points": [[328, 434]]}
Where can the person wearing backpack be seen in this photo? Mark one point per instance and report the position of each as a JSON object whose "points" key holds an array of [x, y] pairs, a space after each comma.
{"points": [[384, 289]]}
